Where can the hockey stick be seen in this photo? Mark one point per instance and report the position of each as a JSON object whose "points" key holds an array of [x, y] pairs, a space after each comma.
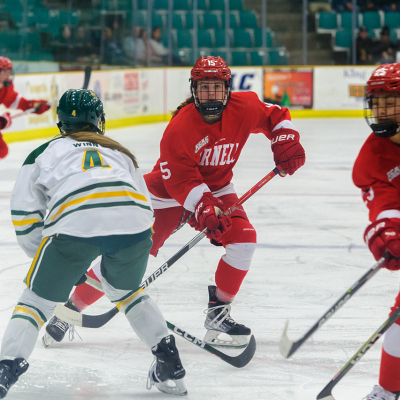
{"points": [[326, 393], [96, 321], [288, 347], [237, 361], [88, 73]]}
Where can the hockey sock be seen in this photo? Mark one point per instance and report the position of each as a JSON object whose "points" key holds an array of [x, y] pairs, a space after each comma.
{"points": [[85, 295], [228, 280], [389, 376]]}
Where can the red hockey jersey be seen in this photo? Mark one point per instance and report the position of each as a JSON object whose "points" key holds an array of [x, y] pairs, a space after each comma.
{"points": [[11, 99], [196, 157], [377, 173]]}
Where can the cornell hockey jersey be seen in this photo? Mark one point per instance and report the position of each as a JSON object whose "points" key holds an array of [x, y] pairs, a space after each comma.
{"points": [[196, 157], [79, 189], [11, 99], [377, 173]]}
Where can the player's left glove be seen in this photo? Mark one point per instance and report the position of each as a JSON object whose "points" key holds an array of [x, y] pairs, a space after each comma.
{"points": [[288, 152], [209, 214], [5, 120], [383, 236], [40, 105]]}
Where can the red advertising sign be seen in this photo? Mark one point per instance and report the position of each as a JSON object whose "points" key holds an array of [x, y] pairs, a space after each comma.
{"points": [[289, 88]]}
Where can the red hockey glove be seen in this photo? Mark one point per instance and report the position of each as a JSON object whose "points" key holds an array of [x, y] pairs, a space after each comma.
{"points": [[208, 214], [288, 152], [40, 105], [384, 236], [3, 147], [5, 120]]}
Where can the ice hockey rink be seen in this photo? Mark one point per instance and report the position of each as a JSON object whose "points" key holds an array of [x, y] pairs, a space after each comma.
{"points": [[310, 251]]}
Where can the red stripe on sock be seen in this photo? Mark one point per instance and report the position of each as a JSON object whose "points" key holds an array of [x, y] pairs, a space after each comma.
{"points": [[228, 279], [85, 295], [389, 375]]}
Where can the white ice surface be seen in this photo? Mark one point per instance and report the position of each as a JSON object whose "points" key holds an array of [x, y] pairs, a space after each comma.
{"points": [[310, 251]]}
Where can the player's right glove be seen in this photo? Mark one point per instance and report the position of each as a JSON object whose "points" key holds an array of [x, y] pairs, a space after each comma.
{"points": [[5, 120], [383, 236], [209, 214]]}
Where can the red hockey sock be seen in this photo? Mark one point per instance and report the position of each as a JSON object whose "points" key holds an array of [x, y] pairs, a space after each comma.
{"points": [[85, 295], [389, 375], [228, 280], [3, 147]]}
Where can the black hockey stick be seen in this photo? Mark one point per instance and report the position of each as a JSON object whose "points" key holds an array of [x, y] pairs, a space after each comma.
{"points": [[288, 347], [326, 393], [237, 361], [88, 72], [96, 321]]}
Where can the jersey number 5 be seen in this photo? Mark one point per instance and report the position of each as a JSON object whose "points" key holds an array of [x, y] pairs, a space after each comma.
{"points": [[92, 159], [166, 173]]}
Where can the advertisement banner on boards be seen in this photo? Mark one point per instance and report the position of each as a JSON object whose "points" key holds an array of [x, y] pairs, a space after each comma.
{"points": [[287, 87], [340, 88]]}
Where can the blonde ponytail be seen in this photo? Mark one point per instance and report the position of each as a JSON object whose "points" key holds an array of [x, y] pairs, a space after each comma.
{"points": [[185, 103], [103, 141]]}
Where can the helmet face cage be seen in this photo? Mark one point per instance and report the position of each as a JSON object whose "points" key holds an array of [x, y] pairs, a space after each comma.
{"points": [[209, 95], [382, 100], [80, 110]]}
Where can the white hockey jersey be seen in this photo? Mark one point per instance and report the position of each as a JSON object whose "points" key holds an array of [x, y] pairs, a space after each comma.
{"points": [[79, 189]]}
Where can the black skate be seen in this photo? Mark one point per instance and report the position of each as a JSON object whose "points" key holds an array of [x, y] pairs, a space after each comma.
{"points": [[56, 329], [167, 368], [10, 371], [218, 320]]}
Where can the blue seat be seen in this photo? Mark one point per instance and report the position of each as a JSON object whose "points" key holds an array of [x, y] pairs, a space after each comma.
{"points": [[248, 19], [204, 38], [346, 20], [66, 18], [242, 38], [182, 5], [160, 4], [220, 38], [392, 20], [184, 38], [202, 5], [217, 5], [343, 40], [177, 20], [10, 40], [258, 37], [239, 58], [189, 20], [236, 5], [278, 57], [233, 20], [211, 21], [159, 20], [371, 20], [257, 58], [326, 21], [216, 53]]}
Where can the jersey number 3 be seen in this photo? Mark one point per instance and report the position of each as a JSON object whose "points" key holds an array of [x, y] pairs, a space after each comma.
{"points": [[92, 159]]}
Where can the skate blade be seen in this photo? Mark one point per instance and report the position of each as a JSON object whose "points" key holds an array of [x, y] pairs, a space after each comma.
{"points": [[176, 387], [233, 341], [47, 340]]}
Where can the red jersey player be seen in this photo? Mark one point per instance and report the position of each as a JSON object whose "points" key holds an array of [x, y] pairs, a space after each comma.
{"points": [[12, 100], [191, 182], [377, 173]]}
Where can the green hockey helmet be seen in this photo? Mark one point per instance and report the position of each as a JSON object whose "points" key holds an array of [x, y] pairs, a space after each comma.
{"points": [[80, 110]]}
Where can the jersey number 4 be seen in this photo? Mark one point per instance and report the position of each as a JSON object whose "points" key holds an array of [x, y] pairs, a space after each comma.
{"points": [[92, 159]]}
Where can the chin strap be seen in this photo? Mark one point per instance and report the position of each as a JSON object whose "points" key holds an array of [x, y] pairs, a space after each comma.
{"points": [[386, 129]]}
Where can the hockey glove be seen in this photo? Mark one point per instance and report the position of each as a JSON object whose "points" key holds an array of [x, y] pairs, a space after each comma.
{"points": [[5, 120], [288, 152], [209, 214], [40, 105], [383, 236]]}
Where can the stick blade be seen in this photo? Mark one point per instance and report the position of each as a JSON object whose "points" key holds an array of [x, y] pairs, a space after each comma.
{"points": [[246, 355], [285, 344], [326, 393]]}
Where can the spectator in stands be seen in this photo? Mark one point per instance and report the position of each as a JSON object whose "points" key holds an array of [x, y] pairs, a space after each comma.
{"points": [[111, 51], [159, 53], [364, 46], [63, 46], [130, 44], [141, 47], [384, 50], [342, 5], [83, 46]]}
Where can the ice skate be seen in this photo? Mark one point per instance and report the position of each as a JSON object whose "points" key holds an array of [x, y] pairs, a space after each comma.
{"points": [[10, 371], [56, 329], [166, 372], [218, 321], [379, 393]]}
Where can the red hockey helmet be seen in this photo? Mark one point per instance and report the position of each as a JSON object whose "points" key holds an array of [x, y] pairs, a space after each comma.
{"points": [[212, 68], [5, 63], [384, 82]]}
